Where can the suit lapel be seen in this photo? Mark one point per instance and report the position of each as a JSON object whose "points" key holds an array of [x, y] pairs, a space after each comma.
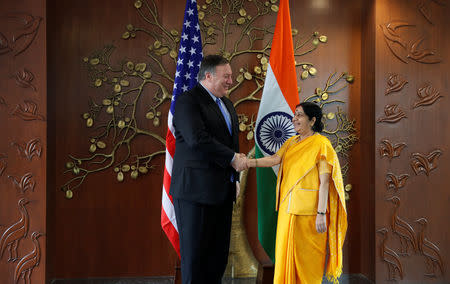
{"points": [[206, 98]]}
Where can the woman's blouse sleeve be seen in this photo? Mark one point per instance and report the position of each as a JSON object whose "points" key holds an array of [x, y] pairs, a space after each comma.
{"points": [[324, 167]]}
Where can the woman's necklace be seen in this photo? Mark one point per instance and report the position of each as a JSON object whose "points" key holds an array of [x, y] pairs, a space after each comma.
{"points": [[300, 138]]}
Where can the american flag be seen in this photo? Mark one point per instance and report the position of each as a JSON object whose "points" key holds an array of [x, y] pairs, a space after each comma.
{"points": [[188, 63]]}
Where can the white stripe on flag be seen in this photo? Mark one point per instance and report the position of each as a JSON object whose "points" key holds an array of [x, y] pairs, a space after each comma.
{"points": [[273, 98], [170, 123], [169, 163], [168, 208]]}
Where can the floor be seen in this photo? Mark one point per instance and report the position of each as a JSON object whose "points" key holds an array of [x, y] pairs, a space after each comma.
{"points": [[345, 279]]}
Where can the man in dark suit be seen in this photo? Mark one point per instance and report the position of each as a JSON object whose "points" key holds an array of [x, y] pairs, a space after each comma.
{"points": [[205, 172]]}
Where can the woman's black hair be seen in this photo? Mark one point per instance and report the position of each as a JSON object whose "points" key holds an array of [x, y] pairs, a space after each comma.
{"points": [[313, 110]]}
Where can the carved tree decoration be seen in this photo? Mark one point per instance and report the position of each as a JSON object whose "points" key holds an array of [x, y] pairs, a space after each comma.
{"points": [[116, 119], [338, 127]]}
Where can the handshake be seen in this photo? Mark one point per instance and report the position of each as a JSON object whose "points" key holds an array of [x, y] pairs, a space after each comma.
{"points": [[240, 162]]}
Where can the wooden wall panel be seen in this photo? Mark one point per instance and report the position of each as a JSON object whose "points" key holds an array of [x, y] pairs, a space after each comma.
{"points": [[348, 41], [107, 219], [362, 249], [412, 60], [112, 230], [23, 116], [109, 229]]}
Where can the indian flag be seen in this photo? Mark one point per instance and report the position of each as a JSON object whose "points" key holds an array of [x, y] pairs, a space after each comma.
{"points": [[274, 122]]}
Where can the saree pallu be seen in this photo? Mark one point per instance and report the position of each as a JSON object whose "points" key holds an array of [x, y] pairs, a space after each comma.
{"points": [[300, 251]]}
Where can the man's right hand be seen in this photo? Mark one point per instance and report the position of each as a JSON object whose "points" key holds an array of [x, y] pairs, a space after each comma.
{"points": [[240, 162]]}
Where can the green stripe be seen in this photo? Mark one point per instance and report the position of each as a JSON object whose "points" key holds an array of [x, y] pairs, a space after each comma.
{"points": [[267, 216]]}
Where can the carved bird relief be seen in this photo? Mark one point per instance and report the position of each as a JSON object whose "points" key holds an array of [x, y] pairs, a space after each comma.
{"points": [[24, 79], [32, 148], [12, 236], [25, 183], [429, 250], [390, 257], [3, 163], [393, 113], [4, 45], [391, 151], [425, 11], [3, 102], [422, 55], [403, 50], [394, 41], [24, 28], [421, 163], [402, 229], [395, 183], [427, 96], [424, 8], [26, 265], [395, 84], [390, 32], [27, 111]]}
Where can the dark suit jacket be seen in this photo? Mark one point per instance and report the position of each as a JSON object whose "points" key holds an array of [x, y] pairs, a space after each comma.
{"points": [[204, 148]]}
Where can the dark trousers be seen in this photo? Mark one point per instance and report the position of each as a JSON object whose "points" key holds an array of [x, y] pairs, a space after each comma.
{"points": [[204, 240]]}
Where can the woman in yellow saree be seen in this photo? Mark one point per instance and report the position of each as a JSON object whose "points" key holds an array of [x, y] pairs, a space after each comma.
{"points": [[310, 203]]}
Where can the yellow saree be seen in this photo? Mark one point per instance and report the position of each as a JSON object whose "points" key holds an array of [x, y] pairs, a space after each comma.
{"points": [[300, 251]]}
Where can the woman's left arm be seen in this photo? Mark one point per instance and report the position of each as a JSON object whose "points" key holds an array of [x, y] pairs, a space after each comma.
{"points": [[321, 218]]}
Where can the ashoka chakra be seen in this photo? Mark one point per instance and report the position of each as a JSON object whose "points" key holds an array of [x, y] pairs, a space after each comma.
{"points": [[273, 130]]}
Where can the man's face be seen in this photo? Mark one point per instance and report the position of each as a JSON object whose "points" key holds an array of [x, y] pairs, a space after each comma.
{"points": [[221, 81]]}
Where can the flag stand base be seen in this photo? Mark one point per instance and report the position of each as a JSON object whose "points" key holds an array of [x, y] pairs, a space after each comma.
{"points": [[177, 272], [265, 273]]}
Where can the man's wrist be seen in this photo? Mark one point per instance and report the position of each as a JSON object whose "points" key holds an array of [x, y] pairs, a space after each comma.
{"points": [[234, 157]]}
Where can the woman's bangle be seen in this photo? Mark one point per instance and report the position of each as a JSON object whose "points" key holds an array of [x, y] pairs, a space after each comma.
{"points": [[256, 163], [321, 213]]}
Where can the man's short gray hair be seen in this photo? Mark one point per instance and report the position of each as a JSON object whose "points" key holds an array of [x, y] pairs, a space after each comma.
{"points": [[209, 64]]}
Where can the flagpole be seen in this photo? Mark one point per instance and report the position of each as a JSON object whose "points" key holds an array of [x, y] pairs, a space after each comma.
{"points": [[188, 63]]}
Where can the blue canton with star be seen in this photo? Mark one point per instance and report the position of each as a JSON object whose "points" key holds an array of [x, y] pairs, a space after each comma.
{"points": [[190, 53]]}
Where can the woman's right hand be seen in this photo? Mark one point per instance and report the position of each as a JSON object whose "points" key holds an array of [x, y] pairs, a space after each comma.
{"points": [[268, 161]]}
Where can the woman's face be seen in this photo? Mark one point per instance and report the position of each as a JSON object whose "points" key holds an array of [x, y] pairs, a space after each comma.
{"points": [[301, 121]]}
